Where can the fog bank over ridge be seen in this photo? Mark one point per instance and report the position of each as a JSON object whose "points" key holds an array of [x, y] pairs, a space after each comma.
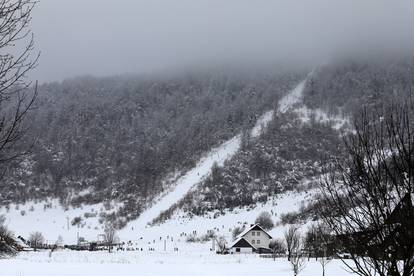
{"points": [[102, 37]]}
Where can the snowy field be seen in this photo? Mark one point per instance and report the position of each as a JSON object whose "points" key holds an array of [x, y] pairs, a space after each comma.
{"points": [[191, 259], [53, 222], [66, 263]]}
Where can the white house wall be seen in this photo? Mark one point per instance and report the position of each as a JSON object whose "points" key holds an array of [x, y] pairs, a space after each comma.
{"points": [[263, 238]]}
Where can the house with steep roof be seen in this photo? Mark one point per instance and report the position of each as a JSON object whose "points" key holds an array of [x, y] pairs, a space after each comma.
{"points": [[252, 240]]}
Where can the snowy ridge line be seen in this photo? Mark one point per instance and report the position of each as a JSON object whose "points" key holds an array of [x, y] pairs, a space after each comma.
{"points": [[203, 168]]}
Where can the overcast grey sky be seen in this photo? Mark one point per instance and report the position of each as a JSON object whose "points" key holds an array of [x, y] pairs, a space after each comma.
{"points": [[105, 37]]}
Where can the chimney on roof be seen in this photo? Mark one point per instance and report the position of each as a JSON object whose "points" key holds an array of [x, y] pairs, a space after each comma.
{"points": [[251, 225]]}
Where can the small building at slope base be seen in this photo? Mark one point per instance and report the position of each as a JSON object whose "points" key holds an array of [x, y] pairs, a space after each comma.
{"points": [[252, 240]]}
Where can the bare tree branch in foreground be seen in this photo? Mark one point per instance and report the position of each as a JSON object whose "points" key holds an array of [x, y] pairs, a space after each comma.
{"points": [[368, 196]]}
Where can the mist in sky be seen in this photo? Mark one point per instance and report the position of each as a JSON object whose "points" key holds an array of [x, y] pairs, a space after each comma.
{"points": [[107, 37]]}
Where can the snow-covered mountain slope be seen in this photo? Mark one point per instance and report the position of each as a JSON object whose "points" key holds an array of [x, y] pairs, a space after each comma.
{"points": [[203, 168], [57, 221], [218, 155], [223, 225], [288, 153]]}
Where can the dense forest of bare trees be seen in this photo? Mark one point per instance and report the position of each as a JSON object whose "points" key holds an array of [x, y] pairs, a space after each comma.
{"points": [[291, 151], [345, 87], [119, 138], [289, 156]]}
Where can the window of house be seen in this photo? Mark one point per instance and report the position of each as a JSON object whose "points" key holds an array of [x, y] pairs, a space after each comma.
{"points": [[237, 249], [258, 241], [258, 233], [253, 241], [253, 233]]}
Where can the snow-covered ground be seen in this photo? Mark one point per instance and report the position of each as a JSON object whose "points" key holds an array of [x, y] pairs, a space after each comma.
{"points": [[180, 225], [53, 222], [191, 258], [66, 263]]}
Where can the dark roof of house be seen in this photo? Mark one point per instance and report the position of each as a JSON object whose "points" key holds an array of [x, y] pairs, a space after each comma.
{"points": [[255, 227], [403, 212], [242, 242]]}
